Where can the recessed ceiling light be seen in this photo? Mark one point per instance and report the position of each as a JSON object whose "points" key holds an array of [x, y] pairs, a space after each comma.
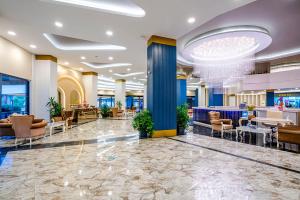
{"points": [[66, 63], [83, 58], [110, 58], [134, 78], [32, 46], [58, 24], [11, 33], [110, 71], [128, 69], [109, 33], [81, 69], [191, 20]]}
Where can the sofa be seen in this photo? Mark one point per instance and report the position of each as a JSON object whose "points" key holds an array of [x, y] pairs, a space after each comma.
{"points": [[289, 134]]}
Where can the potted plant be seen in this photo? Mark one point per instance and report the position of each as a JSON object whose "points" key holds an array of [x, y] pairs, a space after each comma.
{"points": [[119, 105], [182, 118], [250, 110], [55, 108], [105, 111], [143, 123]]}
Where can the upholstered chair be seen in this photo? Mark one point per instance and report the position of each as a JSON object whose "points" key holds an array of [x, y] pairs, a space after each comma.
{"points": [[6, 128], [288, 134], [27, 127], [220, 125]]}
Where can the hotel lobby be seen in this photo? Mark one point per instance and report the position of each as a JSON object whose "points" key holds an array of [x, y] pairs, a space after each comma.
{"points": [[133, 99]]}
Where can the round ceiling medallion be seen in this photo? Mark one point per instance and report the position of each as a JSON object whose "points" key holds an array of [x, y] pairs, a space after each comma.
{"points": [[226, 55]]}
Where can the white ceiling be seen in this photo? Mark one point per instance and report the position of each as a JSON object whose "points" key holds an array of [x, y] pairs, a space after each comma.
{"points": [[168, 18]]}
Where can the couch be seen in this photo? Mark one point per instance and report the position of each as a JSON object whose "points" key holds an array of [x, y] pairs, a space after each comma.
{"points": [[289, 134]]}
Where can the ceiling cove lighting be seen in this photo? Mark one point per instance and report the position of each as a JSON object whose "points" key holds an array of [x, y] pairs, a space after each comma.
{"points": [[74, 44], [120, 7], [128, 75], [226, 55], [12, 33], [277, 55], [102, 66]]}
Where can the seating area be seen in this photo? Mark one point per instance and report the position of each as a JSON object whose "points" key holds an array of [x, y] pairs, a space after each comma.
{"points": [[150, 99]]}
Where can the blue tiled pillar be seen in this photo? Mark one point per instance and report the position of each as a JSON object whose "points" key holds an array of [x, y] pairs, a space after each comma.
{"points": [[161, 85], [270, 98], [181, 90], [215, 97]]}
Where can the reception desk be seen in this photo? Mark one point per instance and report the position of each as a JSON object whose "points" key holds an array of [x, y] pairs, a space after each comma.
{"points": [[200, 114]]}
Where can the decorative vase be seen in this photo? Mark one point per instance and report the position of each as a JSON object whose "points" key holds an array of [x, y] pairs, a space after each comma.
{"points": [[180, 131], [143, 135]]}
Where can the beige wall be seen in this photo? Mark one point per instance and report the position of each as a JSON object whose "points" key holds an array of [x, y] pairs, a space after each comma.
{"points": [[14, 60]]}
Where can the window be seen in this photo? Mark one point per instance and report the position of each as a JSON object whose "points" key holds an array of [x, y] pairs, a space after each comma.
{"points": [[106, 100], [14, 95], [137, 102]]}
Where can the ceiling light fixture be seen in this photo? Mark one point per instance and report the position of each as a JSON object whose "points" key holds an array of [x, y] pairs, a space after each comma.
{"points": [[12, 33], [82, 58], [110, 71], [128, 69], [191, 20], [33, 46], [74, 44], [66, 63], [124, 7], [102, 66], [109, 33], [110, 58], [81, 69], [58, 24], [128, 75]]}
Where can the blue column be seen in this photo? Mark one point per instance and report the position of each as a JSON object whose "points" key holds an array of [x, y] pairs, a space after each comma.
{"points": [[196, 98], [181, 90], [215, 96], [270, 98], [161, 85]]}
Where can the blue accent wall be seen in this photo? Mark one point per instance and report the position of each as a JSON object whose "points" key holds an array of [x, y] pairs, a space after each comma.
{"points": [[161, 86], [270, 96], [215, 98], [181, 91]]}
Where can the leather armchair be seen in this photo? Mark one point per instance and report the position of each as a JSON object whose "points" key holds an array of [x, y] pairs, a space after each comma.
{"points": [[288, 134], [6, 128], [218, 124], [27, 127]]}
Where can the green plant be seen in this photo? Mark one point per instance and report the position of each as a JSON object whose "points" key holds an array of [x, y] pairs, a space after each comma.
{"points": [[182, 116], [251, 107], [143, 122], [119, 104], [55, 108], [105, 111]]}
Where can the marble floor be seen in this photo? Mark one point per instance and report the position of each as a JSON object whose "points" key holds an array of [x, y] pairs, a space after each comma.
{"points": [[106, 160]]}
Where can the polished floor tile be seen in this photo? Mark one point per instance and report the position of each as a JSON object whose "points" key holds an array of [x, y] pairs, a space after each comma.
{"points": [[182, 167]]}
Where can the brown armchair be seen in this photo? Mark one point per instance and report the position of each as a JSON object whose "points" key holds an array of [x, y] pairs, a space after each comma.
{"points": [[27, 127], [288, 134], [6, 128], [220, 125]]}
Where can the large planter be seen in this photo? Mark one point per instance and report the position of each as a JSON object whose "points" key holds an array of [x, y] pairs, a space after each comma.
{"points": [[143, 135], [180, 131]]}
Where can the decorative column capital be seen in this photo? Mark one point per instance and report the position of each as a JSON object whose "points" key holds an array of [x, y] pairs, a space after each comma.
{"points": [[46, 57], [89, 73], [161, 40]]}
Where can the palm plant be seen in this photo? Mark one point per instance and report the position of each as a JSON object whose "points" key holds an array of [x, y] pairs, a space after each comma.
{"points": [[55, 108]]}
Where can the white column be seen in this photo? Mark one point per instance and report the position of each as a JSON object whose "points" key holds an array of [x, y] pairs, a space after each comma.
{"points": [[90, 80], [44, 84], [145, 96], [201, 96], [120, 93]]}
